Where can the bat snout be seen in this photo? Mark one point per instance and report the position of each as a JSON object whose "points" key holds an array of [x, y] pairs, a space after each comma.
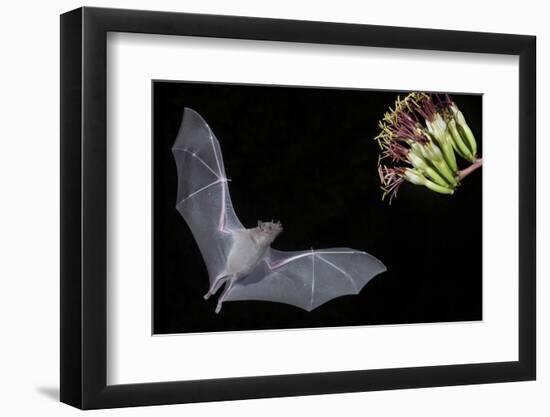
{"points": [[273, 227]]}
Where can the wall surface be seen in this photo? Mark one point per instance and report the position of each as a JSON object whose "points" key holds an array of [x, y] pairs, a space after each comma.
{"points": [[29, 225]]}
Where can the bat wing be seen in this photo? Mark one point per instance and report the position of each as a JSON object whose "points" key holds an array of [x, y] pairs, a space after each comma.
{"points": [[203, 195], [307, 279]]}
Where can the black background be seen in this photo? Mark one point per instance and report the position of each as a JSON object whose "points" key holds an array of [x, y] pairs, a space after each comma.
{"points": [[306, 157]]}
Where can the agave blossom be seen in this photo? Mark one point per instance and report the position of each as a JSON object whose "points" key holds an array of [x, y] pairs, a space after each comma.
{"points": [[419, 139]]}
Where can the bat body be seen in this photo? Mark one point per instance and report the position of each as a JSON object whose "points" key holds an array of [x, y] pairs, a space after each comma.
{"points": [[241, 259]]}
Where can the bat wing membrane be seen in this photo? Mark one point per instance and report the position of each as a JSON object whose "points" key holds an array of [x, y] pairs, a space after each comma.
{"points": [[307, 279], [203, 195]]}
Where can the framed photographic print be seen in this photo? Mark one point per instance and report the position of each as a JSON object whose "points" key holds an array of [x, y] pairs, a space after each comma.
{"points": [[258, 208]]}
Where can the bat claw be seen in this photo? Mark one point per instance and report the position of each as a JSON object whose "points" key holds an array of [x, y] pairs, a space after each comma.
{"points": [[218, 308], [207, 295]]}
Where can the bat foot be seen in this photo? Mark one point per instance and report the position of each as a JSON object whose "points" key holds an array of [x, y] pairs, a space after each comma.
{"points": [[207, 295], [218, 308]]}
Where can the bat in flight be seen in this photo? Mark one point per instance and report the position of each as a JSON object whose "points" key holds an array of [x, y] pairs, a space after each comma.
{"points": [[240, 259]]}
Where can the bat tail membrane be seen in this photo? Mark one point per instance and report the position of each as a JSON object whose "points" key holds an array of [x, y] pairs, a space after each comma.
{"points": [[307, 279]]}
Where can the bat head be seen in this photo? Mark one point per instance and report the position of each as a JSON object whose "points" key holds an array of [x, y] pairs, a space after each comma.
{"points": [[270, 229]]}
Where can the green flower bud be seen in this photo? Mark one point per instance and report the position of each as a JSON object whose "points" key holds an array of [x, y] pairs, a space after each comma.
{"points": [[458, 142], [420, 163], [438, 129], [464, 130], [415, 177]]}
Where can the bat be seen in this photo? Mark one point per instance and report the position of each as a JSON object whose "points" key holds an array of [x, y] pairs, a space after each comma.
{"points": [[240, 259]]}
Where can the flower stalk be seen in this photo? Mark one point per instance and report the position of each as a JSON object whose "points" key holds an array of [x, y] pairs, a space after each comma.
{"points": [[419, 140], [467, 171]]}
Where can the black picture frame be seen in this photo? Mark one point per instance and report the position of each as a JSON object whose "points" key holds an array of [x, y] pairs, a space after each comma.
{"points": [[83, 207]]}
